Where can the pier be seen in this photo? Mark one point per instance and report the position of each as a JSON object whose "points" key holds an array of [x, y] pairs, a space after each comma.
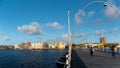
{"points": [[82, 59]]}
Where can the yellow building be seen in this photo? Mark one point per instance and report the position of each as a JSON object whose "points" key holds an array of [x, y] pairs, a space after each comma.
{"points": [[61, 45]]}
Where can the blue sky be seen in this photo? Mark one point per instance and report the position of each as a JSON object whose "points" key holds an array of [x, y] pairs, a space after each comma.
{"points": [[46, 20]]}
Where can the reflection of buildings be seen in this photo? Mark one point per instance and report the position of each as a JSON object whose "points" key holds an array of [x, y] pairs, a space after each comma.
{"points": [[103, 40], [40, 45]]}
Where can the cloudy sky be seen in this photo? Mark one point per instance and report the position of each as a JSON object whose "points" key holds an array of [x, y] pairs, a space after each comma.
{"points": [[45, 20]]}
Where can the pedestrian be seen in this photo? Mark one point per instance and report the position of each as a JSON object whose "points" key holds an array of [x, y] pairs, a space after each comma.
{"points": [[114, 50], [91, 51]]}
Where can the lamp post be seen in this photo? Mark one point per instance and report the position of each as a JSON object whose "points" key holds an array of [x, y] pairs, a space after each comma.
{"points": [[105, 4], [68, 61], [69, 33]]}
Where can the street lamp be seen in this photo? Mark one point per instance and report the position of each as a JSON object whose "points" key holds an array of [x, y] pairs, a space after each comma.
{"points": [[68, 61], [105, 4]]}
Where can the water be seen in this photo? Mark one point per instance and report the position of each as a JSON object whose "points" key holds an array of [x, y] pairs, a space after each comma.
{"points": [[29, 58]]}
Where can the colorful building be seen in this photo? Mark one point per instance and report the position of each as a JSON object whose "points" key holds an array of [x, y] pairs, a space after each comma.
{"points": [[23, 45], [103, 40], [33, 45], [39, 45], [16, 46], [61, 45], [28, 45], [45, 45]]}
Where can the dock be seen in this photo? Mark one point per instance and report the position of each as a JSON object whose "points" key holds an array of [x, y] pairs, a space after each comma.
{"points": [[82, 59]]}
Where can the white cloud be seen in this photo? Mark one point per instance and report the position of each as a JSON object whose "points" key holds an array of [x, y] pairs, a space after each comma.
{"points": [[115, 29], [112, 11], [6, 38], [100, 32], [91, 13], [65, 35], [80, 35], [33, 29], [78, 15], [55, 25]]}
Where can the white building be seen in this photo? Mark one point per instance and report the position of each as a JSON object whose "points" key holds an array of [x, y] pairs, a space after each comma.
{"points": [[16, 46], [33, 45], [91, 44], [39, 45]]}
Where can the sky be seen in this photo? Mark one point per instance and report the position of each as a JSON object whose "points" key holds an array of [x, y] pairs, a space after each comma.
{"points": [[46, 20]]}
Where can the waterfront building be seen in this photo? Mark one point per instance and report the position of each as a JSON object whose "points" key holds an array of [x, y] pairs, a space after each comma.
{"points": [[61, 45], [18, 46], [35, 45], [39, 45], [23, 45], [87, 45], [15, 46], [54, 45], [6, 47], [103, 40], [32, 45], [45, 45], [28, 45], [50, 45]]}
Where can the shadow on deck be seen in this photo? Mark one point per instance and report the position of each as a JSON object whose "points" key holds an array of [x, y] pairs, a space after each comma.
{"points": [[76, 61]]}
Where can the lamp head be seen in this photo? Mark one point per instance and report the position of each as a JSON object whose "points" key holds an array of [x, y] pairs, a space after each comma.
{"points": [[105, 4]]}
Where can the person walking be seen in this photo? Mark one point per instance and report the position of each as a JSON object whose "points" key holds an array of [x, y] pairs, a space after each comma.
{"points": [[114, 50], [91, 51]]}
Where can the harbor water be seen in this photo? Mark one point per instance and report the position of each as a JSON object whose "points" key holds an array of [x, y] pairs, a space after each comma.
{"points": [[29, 58]]}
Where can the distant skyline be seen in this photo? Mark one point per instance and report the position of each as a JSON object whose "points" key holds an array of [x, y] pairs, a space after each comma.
{"points": [[45, 20]]}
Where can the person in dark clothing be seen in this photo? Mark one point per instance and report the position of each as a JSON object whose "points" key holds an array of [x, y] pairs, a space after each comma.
{"points": [[91, 51], [113, 51]]}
